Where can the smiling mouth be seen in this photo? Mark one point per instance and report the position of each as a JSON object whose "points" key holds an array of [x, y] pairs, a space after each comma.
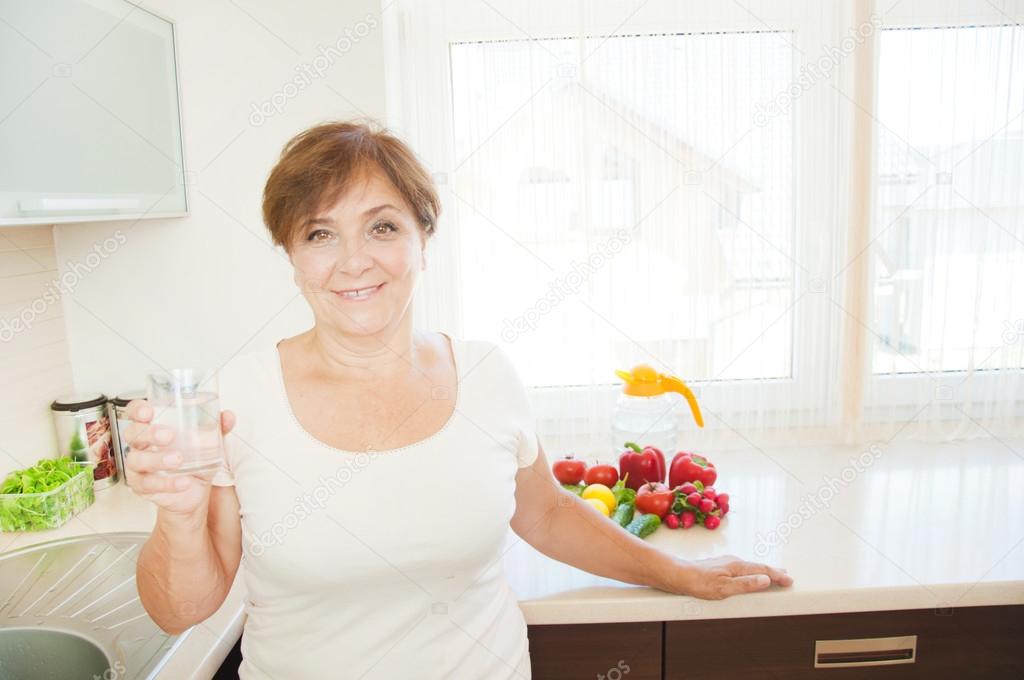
{"points": [[359, 293]]}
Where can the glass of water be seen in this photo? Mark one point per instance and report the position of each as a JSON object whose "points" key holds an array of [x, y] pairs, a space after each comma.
{"points": [[185, 400]]}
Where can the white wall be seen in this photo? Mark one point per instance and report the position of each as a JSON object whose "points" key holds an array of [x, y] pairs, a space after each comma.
{"points": [[34, 366], [200, 289]]}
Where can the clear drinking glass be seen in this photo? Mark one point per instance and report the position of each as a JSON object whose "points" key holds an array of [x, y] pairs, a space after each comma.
{"points": [[186, 401]]}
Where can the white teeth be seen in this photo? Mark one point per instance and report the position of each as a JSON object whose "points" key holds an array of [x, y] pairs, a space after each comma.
{"points": [[359, 294]]}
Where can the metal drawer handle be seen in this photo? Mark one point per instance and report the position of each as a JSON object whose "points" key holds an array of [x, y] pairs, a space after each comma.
{"points": [[865, 652]]}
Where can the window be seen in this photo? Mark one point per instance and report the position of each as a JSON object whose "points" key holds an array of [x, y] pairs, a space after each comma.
{"points": [[670, 183], [950, 209], [697, 297]]}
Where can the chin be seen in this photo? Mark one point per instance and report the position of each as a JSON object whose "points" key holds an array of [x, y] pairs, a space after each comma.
{"points": [[356, 324]]}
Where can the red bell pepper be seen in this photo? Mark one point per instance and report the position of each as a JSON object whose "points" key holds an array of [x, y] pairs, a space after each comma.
{"points": [[642, 465], [689, 467]]}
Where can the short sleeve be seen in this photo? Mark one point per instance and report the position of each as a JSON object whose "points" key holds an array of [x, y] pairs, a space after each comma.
{"points": [[519, 409], [528, 447]]}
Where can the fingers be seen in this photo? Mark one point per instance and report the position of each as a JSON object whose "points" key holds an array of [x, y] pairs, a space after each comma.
{"points": [[139, 410], [154, 483], [780, 577], [777, 575], [746, 584], [145, 461], [227, 421], [750, 577], [153, 473], [139, 413], [141, 436]]}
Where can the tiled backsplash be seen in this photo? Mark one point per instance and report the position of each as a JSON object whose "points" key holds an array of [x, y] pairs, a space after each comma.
{"points": [[34, 360]]}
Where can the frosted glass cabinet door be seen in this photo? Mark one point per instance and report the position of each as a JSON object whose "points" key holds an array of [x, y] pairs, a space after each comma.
{"points": [[90, 127]]}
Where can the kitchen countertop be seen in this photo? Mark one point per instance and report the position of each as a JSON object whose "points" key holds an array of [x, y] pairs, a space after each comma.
{"points": [[919, 526], [908, 526]]}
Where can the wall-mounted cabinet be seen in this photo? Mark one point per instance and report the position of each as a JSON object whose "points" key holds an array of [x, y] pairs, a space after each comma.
{"points": [[90, 124]]}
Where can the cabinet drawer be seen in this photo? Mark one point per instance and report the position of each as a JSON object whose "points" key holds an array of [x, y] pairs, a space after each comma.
{"points": [[965, 642], [609, 651]]}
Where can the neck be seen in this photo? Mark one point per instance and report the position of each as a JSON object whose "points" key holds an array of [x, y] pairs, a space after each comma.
{"points": [[388, 354]]}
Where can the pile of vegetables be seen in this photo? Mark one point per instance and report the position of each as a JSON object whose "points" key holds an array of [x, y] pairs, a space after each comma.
{"points": [[26, 505], [636, 495]]}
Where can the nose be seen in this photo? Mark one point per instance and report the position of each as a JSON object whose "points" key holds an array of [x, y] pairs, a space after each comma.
{"points": [[355, 258]]}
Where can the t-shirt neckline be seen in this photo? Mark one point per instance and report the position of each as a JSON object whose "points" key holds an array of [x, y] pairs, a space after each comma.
{"points": [[282, 393]]}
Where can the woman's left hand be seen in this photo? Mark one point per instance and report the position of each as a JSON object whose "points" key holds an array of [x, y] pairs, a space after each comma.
{"points": [[717, 578]]}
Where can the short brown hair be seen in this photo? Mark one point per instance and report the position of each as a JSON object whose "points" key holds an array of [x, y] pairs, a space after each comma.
{"points": [[318, 165]]}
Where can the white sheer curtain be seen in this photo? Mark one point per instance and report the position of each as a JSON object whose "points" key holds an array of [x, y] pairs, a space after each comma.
{"points": [[947, 260], [676, 183]]}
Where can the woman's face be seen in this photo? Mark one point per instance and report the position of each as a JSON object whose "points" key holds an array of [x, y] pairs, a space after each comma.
{"points": [[357, 264]]}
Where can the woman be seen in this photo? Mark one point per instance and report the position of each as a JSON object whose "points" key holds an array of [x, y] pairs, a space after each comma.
{"points": [[374, 469]]}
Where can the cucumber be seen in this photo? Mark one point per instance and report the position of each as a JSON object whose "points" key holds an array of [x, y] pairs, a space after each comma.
{"points": [[624, 514], [643, 526]]}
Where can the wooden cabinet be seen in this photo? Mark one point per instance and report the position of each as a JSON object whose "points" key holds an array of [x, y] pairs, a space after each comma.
{"points": [[599, 651], [966, 642]]}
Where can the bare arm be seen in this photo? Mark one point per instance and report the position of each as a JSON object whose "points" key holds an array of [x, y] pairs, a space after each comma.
{"points": [[187, 566], [564, 527]]}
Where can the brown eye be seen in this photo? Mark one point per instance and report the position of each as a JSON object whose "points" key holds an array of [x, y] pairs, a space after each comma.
{"points": [[383, 229]]}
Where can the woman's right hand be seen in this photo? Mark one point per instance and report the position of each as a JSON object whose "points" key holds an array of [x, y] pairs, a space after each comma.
{"points": [[152, 455]]}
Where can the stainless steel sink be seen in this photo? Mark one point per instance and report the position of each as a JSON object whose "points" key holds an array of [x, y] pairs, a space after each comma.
{"points": [[70, 609], [41, 652]]}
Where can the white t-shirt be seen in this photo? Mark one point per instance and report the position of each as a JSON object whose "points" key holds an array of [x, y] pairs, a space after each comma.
{"points": [[383, 564]]}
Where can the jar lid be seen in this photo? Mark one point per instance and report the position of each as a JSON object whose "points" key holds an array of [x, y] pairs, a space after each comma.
{"points": [[78, 401], [123, 398]]}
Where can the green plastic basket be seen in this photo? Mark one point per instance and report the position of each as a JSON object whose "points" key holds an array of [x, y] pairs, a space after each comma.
{"points": [[47, 509]]}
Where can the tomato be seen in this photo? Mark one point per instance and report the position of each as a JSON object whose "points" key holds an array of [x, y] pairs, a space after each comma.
{"points": [[569, 470], [602, 474], [655, 498]]}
